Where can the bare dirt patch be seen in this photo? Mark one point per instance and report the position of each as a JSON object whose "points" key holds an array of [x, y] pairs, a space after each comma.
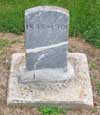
{"points": [[75, 45]]}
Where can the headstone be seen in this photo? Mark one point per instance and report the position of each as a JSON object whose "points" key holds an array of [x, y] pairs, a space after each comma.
{"points": [[46, 30], [46, 37], [41, 75]]}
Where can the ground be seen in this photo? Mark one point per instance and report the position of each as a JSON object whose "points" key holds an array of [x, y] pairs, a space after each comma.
{"points": [[11, 43]]}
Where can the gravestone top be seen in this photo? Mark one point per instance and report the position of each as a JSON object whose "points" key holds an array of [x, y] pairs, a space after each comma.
{"points": [[45, 26], [47, 8]]}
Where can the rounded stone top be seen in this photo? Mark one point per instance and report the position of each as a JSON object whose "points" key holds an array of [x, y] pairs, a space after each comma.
{"points": [[47, 8]]}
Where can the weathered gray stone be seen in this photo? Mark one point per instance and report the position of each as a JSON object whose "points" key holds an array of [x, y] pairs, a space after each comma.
{"points": [[45, 75], [46, 26], [48, 58], [73, 94], [45, 70], [46, 29]]}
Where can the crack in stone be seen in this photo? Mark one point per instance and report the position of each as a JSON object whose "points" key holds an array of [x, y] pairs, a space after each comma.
{"points": [[39, 59], [45, 47]]}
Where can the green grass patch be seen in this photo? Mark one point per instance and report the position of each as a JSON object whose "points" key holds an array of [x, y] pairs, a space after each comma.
{"points": [[47, 110], [98, 88], [93, 66], [84, 16], [7, 43], [4, 43]]}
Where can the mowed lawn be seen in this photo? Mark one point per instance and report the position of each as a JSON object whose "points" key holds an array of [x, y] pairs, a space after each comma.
{"points": [[84, 16]]}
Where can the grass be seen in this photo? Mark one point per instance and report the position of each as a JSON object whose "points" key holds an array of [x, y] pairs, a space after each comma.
{"points": [[4, 43], [84, 16], [52, 111], [7, 43], [98, 88], [93, 66]]}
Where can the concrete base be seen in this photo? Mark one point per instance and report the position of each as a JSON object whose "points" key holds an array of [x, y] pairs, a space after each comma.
{"points": [[73, 94], [44, 75]]}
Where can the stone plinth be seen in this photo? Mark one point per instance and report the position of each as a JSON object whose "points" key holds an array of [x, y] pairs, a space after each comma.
{"points": [[73, 94]]}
